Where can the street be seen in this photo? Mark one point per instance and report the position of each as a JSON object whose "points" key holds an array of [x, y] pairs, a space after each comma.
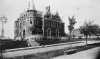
{"points": [[88, 54]]}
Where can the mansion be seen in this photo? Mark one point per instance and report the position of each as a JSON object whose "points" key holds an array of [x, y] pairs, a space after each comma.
{"points": [[32, 24]]}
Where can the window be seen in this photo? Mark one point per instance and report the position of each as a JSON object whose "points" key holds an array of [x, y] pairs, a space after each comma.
{"points": [[57, 33], [36, 22], [48, 32], [30, 21], [56, 24], [23, 33]]}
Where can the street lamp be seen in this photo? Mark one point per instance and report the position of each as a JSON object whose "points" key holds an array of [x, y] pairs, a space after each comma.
{"points": [[3, 20]]}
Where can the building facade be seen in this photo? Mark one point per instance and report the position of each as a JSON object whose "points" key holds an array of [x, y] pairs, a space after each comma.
{"points": [[33, 23]]}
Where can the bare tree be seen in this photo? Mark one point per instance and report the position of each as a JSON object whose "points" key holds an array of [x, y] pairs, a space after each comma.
{"points": [[72, 21]]}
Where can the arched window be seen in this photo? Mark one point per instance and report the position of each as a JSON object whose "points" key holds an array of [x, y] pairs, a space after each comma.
{"points": [[23, 33]]}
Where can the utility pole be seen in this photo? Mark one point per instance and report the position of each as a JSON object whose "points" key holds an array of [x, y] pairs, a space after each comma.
{"points": [[3, 20]]}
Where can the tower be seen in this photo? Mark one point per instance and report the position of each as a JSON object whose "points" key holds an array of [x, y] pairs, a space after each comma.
{"points": [[31, 5]]}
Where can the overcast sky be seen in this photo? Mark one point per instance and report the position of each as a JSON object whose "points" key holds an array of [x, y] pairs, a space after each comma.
{"points": [[84, 10]]}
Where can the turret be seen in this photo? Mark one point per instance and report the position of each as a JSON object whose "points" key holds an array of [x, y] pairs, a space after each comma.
{"points": [[31, 5]]}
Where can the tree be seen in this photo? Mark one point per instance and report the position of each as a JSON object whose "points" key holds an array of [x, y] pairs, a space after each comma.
{"points": [[89, 29], [72, 21]]}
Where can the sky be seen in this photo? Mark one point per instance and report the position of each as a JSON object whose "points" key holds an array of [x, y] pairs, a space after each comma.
{"points": [[83, 10]]}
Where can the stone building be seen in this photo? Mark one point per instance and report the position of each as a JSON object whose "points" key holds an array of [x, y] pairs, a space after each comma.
{"points": [[28, 24], [53, 26], [32, 24]]}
